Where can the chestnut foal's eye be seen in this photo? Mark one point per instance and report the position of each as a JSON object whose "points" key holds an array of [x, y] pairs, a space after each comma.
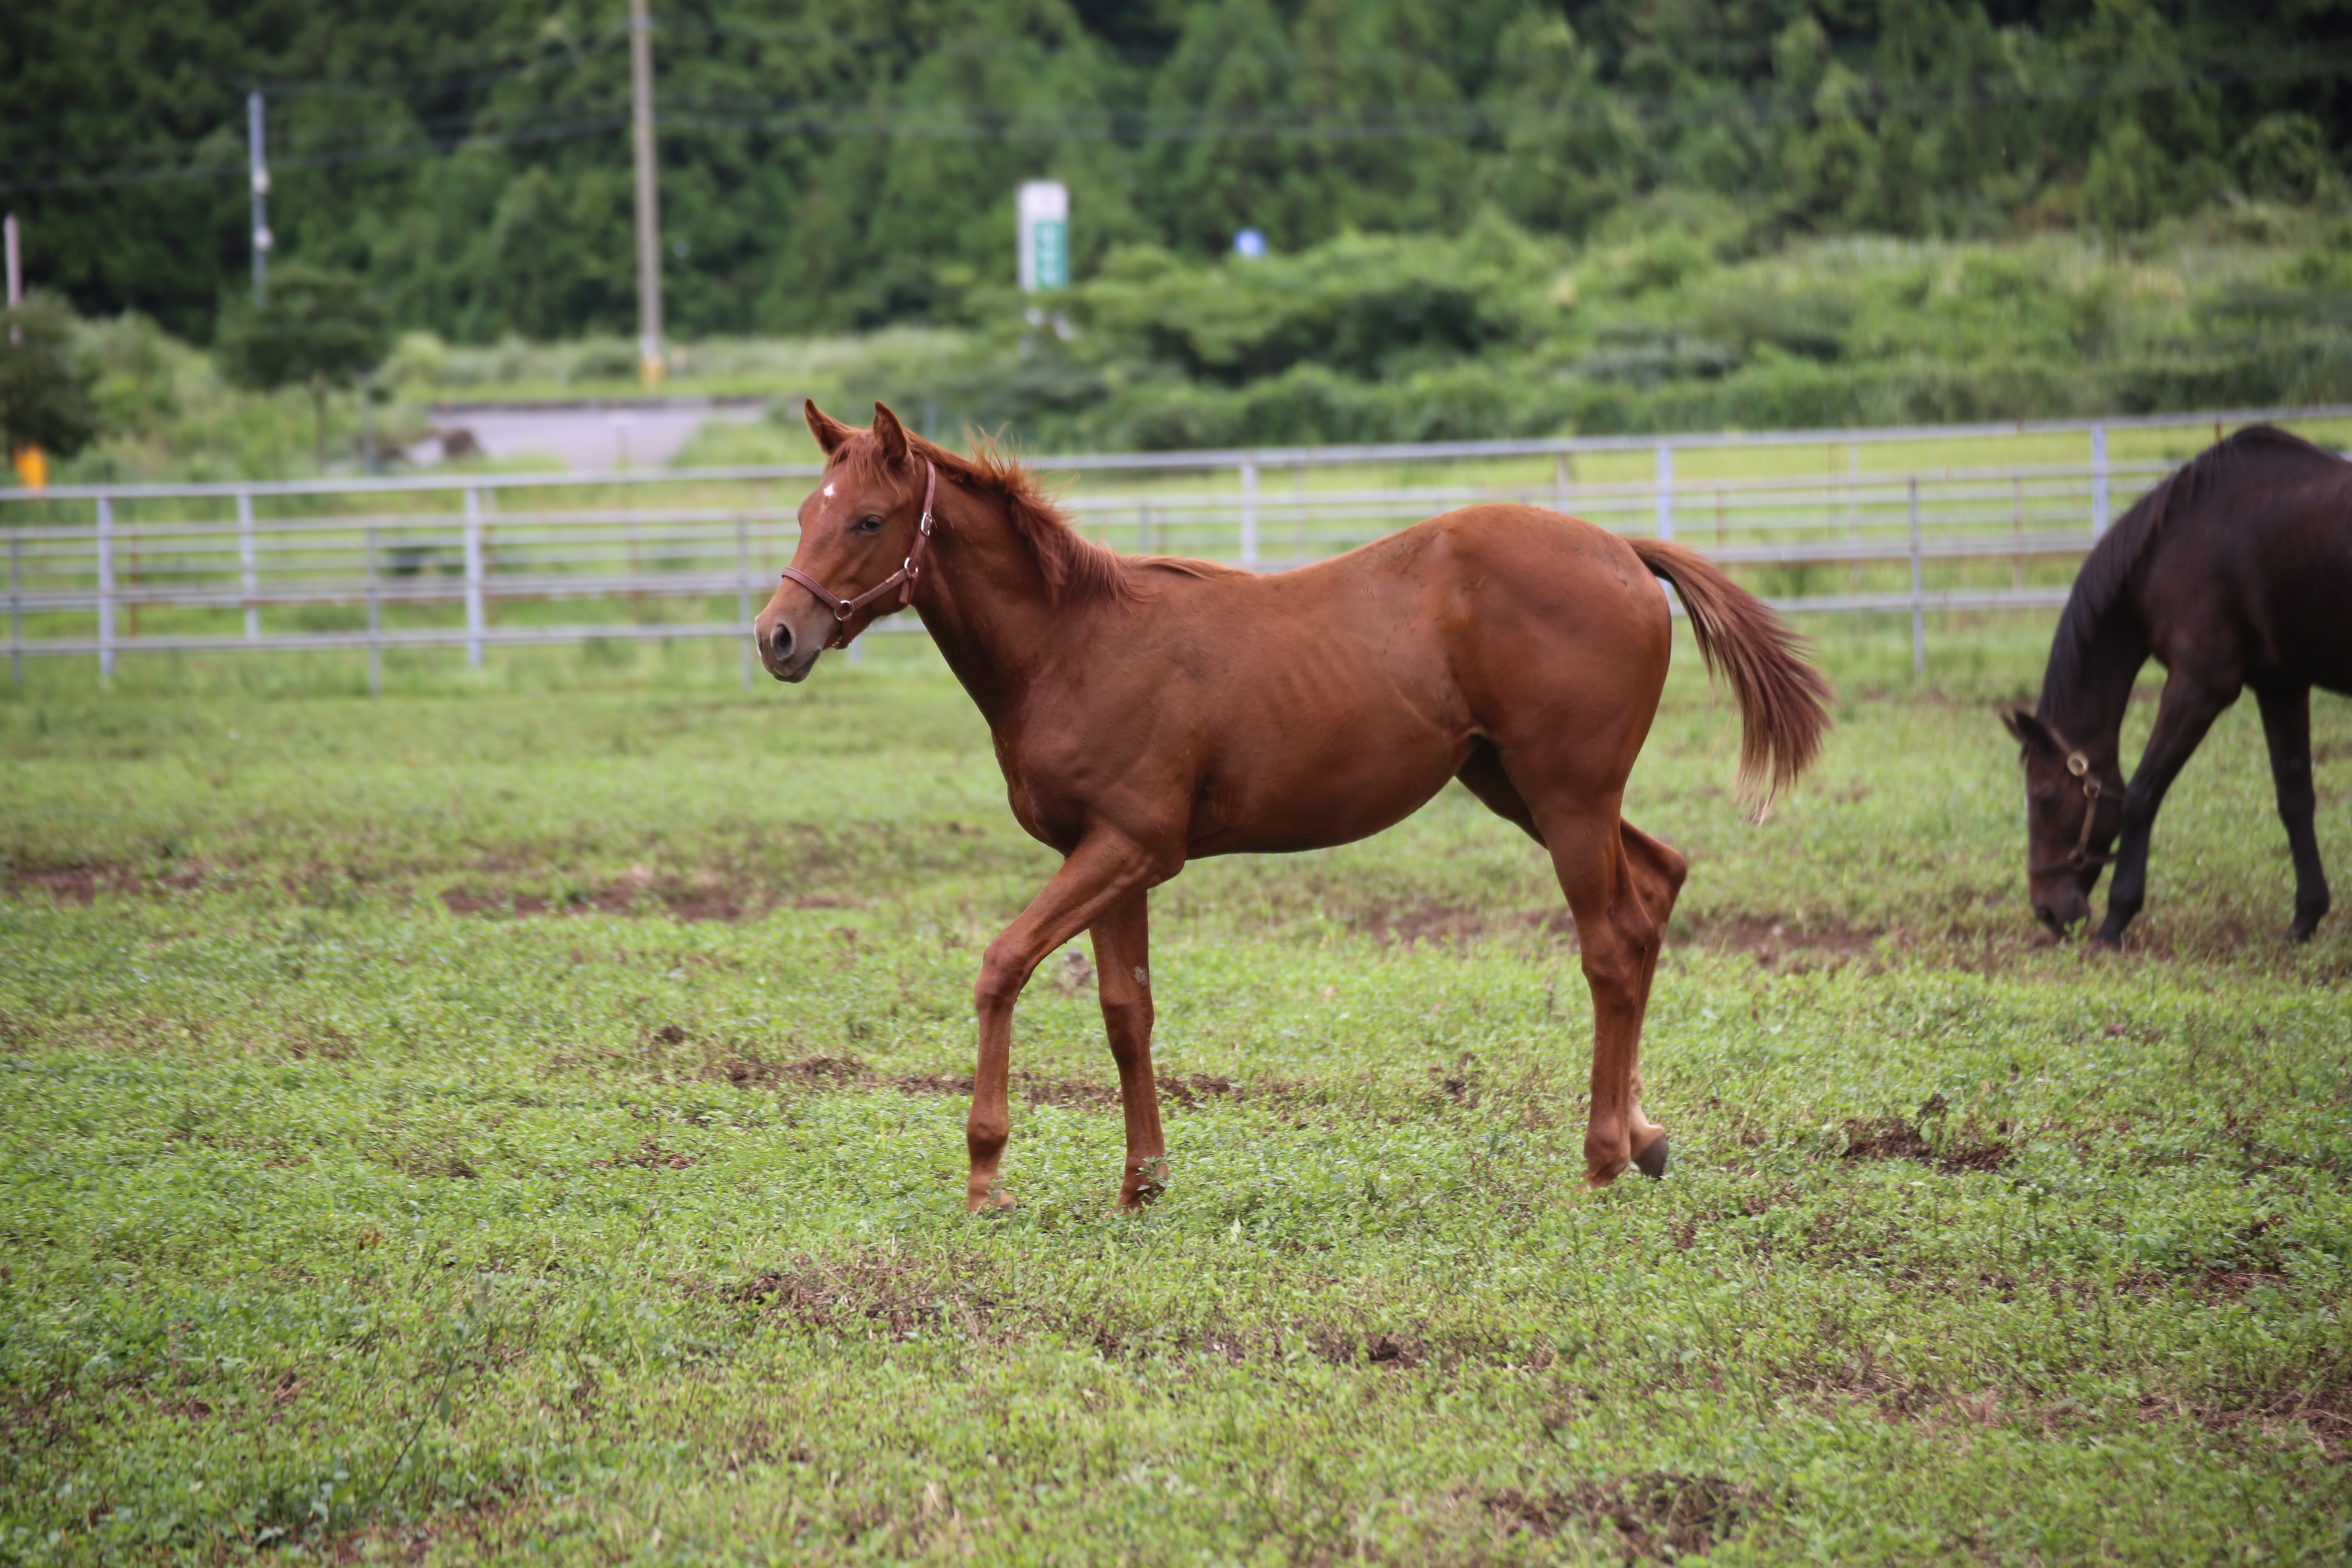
{"points": [[870, 525]]}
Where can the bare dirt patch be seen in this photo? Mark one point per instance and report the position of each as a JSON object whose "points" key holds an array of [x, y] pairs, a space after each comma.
{"points": [[648, 1156], [1779, 944], [1178, 1092], [824, 1073], [80, 885], [1457, 925], [1772, 942], [1952, 1152], [621, 898], [1655, 1513], [894, 1293], [812, 1072], [2326, 1414]]}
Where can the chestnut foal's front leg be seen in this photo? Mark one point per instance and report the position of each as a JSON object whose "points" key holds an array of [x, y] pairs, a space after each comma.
{"points": [[1100, 874], [1123, 977]]}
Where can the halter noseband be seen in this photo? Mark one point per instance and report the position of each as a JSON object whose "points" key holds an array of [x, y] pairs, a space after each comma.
{"points": [[903, 579], [2080, 859]]}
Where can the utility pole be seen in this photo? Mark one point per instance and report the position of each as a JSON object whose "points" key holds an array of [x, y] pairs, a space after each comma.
{"points": [[261, 237], [32, 465], [649, 297], [16, 277]]}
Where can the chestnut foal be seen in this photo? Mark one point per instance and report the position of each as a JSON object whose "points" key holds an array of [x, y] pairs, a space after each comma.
{"points": [[1148, 711]]}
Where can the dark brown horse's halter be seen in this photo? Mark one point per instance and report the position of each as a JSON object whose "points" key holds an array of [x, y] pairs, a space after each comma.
{"points": [[903, 579], [2080, 859]]}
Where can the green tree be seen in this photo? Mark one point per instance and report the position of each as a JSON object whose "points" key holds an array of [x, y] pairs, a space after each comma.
{"points": [[1570, 150], [2122, 190], [319, 329], [45, 384], [2283, 158], [1233, 71]]}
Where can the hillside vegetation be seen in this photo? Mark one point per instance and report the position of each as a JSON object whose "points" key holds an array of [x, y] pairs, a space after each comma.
{"points": [[837, 164], [1681, 313]]}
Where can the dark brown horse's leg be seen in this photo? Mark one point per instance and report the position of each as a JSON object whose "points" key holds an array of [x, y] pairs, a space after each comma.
{"points": [[2187, 711], [2286, 725], [1658, 871], [1100, 874], [1123, 979]]}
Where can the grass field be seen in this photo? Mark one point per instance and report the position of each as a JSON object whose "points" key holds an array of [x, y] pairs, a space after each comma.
{"points": [[520, 1119]]}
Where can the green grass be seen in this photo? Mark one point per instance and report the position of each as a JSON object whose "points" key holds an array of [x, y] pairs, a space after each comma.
{"points": [[569, 1228]]}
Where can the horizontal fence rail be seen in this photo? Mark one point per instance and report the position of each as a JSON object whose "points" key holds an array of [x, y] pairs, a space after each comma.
{"points": [[484, 561]]}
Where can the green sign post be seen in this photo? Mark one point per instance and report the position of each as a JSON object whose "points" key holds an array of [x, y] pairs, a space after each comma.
{"points": [[1044, 211]]}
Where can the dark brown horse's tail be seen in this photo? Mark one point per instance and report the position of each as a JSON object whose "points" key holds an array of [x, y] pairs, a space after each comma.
{"points": [[1780, 696]]}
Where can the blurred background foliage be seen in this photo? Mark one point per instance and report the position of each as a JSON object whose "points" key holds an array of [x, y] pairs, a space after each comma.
{"points": [[1497, 217]]}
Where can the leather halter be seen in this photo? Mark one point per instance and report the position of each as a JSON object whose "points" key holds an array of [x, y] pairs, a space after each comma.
{"points": [[2080, 859], [903, 579]]}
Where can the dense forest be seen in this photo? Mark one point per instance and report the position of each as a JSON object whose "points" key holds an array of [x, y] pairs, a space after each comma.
{"points": [[836, 164]]}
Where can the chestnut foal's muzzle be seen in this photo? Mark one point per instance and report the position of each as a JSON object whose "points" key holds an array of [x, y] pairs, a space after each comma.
{"points": [[903, 579]]}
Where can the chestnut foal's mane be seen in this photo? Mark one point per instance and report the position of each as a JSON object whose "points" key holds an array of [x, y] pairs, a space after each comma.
{"points": [[1074, 566]]}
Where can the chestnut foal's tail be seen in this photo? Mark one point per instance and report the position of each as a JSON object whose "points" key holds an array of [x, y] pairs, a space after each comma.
{"points": [[1780, 696]]}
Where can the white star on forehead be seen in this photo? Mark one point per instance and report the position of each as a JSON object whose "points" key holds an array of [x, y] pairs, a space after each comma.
{"points": [[828, 490]]}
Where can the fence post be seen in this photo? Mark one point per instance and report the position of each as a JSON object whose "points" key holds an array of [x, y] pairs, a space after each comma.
{"points": [[743, 590], [1852, 515], [1918, 606], [375, 620], [1560, 482], [1665, 490], [474, 577], [248, 573], [1249, 513], [17, 604], [2098, 480], [106, 586], [1143, 529]]}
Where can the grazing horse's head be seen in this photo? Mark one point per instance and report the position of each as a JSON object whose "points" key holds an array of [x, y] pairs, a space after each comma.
{"points": [[857, 527], [2073, 809]]}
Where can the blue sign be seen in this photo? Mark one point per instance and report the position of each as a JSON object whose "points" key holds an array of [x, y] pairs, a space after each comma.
{"points": [[1249, 244]]}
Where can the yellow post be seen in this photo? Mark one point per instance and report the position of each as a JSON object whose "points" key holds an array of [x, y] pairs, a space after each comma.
{"points": [[32, 466]]}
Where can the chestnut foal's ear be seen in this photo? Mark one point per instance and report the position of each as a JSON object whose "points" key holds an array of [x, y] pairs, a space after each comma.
{"points": [[2032, 733], [889, 435], [830, 433]]}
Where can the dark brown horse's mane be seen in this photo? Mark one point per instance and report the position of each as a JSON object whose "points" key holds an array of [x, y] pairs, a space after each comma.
{"points": [[2128, 539], [1073, 565]]}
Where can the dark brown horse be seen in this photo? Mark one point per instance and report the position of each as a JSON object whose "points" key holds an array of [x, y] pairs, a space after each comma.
{"points": [[2235, 571], [1147, 712]]}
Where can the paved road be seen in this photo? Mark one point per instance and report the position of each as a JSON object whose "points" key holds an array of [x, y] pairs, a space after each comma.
{"points": [[583, 436]]}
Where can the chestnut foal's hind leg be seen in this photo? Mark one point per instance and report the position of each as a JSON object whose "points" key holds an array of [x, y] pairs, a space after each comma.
{"points": [[1100, 874], [1123, 979], [1656, 871], [1647, 876], [1619, 937]]}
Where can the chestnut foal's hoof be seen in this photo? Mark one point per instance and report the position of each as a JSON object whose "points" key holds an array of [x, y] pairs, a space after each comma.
{"points": [[1651, 1161]]}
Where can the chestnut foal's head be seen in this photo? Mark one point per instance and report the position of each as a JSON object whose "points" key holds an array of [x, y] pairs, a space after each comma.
{"points": [[858, 527], [2073, 809]]}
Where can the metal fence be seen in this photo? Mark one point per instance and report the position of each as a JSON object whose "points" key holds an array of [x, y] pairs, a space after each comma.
{"points": [[482, 561]]}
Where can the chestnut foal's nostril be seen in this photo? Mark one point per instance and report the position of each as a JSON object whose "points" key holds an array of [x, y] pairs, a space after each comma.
{"points": [[780, 641]]}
